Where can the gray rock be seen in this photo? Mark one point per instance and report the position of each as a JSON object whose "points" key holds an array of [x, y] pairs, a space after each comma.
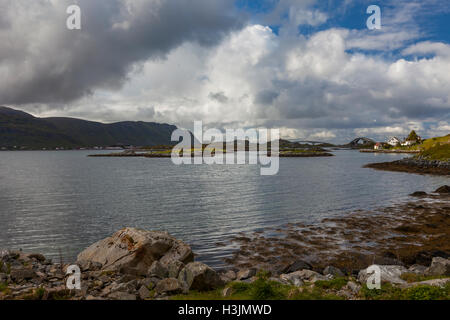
{"points": [[149, 283], [169, 286], [199, 276], [443, 189], [228, 276], [139, 271], [174, 268], [292, 278], [124, 287], [297, 266], [353, 287], [122, 296], [227, 292], [389, 274], [157, 269], [439, 267], [144, 293], [136, 248], [434, 282], [39, 257], [18, 275], [335, 272], [92, 298], [419, 194], [297, 278], [245, 274], [418, 269], [86, 265]]}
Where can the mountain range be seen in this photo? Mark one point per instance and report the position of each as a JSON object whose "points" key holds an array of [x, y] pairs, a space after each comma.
{"points": [[23, 130]]}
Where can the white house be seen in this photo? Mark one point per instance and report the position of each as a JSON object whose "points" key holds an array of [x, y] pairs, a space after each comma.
{"points": [[408, 143], [378, 146], [393, 141]]}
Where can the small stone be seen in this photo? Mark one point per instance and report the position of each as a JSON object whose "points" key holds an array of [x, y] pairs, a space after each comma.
{"points": [[297, 266], [389, 274], [174, 268], [443, 189], [419, 194], [230, 275], [335, 272], [292, 278], [39, 257], [353, 287], [199, 276], [149, 283], [144, 293], [227, 292], [246, 274], [439, 267], [22, 274], [119, 295], [157, 269], [169, 286], [418, 269]]}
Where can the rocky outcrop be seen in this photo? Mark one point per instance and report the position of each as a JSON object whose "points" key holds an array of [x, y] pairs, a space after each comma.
{"points": [[439, 267], [414, 165], [443, 189], [32, 276], [297, 278], [136, 250], [391, 274], [198, 276]]}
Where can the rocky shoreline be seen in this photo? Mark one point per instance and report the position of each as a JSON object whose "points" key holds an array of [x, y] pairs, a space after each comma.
{"points": [[410, 244], [414, 165]]}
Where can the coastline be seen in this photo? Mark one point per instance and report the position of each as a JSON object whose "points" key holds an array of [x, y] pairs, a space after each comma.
{"points": [[168, 155], [412, 165], [327, 260]]}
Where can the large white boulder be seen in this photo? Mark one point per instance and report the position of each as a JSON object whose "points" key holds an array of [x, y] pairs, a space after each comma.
{"points": [[136, 249], [391, 274]]}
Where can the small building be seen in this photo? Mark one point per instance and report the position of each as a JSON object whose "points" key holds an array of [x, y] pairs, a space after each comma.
{"points": [[408, 143], [378, 146], [393, 141]]}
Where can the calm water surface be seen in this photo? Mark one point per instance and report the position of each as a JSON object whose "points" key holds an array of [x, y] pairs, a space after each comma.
{"points": [[51, 201]]}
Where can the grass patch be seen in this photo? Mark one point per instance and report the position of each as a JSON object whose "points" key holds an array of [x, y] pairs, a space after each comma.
{"points": [[335, 284], [389, 292], [437, 152], [265, 289], [414, 277], [4, 288]]}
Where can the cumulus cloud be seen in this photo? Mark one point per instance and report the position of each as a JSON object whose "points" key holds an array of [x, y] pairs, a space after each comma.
{"points": [[315, 87], [41, 61]]}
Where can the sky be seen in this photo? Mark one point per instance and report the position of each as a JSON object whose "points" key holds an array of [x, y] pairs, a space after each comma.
{"points": [[310, 68]]}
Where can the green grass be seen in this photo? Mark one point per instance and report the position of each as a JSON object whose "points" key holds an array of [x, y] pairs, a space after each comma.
{"points": [[423, 292], [414, 277], [265, 289], [437, 152], [437, 148], [335, 284], [4, 288]]}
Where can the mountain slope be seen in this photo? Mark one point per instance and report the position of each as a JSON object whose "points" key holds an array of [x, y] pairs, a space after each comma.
{"points": [[18, 128]]}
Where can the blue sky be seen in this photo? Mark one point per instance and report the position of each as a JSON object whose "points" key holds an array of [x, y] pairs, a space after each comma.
{"points": [[433, 19]]}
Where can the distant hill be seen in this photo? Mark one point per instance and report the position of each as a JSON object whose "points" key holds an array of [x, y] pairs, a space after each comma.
{"points": [[18, 128]]}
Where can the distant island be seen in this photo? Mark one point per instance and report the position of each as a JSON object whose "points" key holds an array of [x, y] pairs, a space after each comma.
{"points": [[287, 149]]}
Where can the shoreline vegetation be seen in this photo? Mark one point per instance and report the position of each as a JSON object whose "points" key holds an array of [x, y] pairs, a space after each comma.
{"points": [[433, 157], [316, 262], [287, 149]]}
